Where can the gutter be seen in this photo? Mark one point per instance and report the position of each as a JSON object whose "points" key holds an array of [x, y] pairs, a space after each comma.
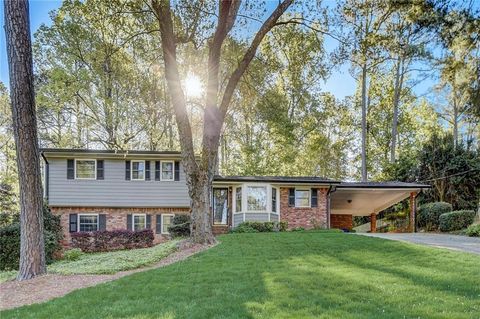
{"points": [[331, 189], [47, 175]]}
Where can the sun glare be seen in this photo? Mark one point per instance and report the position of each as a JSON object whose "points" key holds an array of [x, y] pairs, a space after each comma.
{"points": [[193, 86]]}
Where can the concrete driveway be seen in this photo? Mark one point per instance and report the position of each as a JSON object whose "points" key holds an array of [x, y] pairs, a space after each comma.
{"points": [[454, 242]]}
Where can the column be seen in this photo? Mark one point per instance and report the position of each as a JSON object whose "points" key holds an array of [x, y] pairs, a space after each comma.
{"points": [[373, 223]]}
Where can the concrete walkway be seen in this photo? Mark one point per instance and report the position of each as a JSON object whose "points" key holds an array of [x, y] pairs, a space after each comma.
{"points": [[454, 242]]}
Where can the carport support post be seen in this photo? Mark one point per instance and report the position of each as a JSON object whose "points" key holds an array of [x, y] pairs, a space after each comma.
{"points": [[413, 211], [373, 223]]}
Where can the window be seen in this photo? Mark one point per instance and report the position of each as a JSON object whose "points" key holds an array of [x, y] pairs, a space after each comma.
{"points": [[167, 220], [138, 170], [85, 169], [238, 199], [257, 198], [274, 199], [220, 206], [88, 222], [302, 198], [167, 171], [139, 222]]}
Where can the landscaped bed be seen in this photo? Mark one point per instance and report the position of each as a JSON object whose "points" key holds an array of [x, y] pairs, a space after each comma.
{"points": [[287, 275], [108, 262]]}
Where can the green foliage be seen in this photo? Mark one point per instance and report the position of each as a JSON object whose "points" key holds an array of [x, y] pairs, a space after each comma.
{"points": [[297, 229], [244, 228], [72, 254], [10, 240], [428, 215], [473, 230], [278, 275], [456, 220], [180, 226], [283, 226], [260, 227]]}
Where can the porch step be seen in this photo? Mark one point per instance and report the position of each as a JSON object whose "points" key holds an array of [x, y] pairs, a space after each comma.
{"points": [[219, 230]]}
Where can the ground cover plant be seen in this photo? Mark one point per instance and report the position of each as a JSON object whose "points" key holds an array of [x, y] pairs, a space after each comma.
{"points": [[287, 275]]}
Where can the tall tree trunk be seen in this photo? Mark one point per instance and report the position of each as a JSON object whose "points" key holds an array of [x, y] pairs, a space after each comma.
{"points": [[19, 51], [399, 73], [455, 120], [364, 123]]}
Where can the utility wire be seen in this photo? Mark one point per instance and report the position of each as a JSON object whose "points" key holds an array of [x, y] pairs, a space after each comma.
{"points": [[443, 177]]}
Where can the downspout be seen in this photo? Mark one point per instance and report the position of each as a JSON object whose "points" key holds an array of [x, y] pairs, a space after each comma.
{"points": [[331, 189], [47, 173]]}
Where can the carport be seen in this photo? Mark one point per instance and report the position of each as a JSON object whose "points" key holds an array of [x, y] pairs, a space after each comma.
{"points": [[370, 198]]}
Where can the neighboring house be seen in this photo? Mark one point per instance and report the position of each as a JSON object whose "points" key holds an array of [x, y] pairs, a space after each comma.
{"points": [[105, 190]]}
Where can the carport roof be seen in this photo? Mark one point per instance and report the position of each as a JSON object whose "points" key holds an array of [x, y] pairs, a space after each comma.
{"points": [[382, 185]]}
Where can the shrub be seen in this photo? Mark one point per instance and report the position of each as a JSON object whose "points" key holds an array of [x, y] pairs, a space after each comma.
{"points": [[72, 254], [428, 215], [298, 229], [456, 220], [180, 226], [244, 228], [282, 226], [108, 240], [473, 230], [10, 240]]}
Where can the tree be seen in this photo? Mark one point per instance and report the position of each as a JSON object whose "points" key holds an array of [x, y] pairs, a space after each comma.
{"points": [[22, 96], [200, 173]]}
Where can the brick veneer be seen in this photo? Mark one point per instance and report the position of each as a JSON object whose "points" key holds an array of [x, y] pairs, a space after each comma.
{"points": [[341, 221], [116, 217], [306, 217]]}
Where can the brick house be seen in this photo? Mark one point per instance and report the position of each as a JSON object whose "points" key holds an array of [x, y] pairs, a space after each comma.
{"points": [[106, 190]]}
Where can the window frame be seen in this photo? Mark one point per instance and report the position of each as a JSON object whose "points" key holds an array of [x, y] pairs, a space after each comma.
{"points": [[238, 208], [273, 209], [245, 198], [162, 223], [133, 221], [213, 206], [173, 171], [75, 168], [88, 214], [131, 170], [309, 197]]}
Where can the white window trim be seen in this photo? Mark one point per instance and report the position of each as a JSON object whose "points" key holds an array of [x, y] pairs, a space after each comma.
{"points": [[133, 221], [161, 224], [131, 171], [161, 171], [75, 168], [245, 198], [309, 197], [274, 189], [88, 214]]}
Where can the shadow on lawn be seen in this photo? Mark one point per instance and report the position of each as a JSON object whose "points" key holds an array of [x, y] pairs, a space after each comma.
{"points": [[293, 275]]}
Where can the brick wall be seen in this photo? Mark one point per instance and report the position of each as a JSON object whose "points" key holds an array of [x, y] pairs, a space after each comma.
{"points": [[116, 218], [306, 217], [341, 221]]}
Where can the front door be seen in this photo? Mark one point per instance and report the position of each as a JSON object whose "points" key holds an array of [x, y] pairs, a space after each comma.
{"points": [[220, 206]]}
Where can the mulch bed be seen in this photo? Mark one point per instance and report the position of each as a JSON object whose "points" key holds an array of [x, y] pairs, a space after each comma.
{"points": [[40, 289]]}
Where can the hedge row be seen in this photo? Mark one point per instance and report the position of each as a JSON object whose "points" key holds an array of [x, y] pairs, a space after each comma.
{"points": [[456, 220], [260, 227], [428, 215], [108, 240]]}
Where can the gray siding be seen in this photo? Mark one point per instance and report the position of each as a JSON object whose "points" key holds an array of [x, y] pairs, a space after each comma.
{"points": [[274, 217], [237, 219], [114, 190], [256, 217]]}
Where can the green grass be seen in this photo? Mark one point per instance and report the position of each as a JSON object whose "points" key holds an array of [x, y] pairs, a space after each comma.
{"points": [[287, 275], [107, 263]]}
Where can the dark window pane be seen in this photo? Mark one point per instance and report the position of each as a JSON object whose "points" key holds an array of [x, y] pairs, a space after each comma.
{"points": [[220, 206]]}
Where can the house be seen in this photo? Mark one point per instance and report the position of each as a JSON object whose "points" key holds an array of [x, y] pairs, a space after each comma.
{"points": [[105, 190]]}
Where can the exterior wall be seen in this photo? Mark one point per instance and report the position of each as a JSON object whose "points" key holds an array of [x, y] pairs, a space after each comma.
{"points": [[114, 190], [306, 217], [341, 221], [116, 218]]}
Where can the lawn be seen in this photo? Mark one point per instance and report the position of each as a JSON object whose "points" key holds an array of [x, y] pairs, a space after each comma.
{"points": [[287, 275], [107, 263]]}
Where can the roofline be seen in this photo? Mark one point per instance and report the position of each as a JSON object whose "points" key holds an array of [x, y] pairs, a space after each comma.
{"points": [[115, 152], [272, 179], [413, 186]]}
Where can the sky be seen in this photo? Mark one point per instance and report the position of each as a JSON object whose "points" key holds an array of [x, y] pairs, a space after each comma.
{"points": [[340, 83]]}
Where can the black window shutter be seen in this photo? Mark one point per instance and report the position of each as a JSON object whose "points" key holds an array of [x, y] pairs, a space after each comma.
{"points": [[291, 197], [102, 222], [100, 169], [129, 222], [127, 170], [314, 198], [147, 170], [149, 221], [73, 223], [70, 169], [177, 170], [157, 170], [158, 224]]}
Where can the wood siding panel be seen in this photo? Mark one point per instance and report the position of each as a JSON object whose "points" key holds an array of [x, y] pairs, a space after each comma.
{"points": [[114, 190]]}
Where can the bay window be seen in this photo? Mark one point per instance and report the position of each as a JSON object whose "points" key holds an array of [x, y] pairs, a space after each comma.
{"points": [[256, 198]]}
